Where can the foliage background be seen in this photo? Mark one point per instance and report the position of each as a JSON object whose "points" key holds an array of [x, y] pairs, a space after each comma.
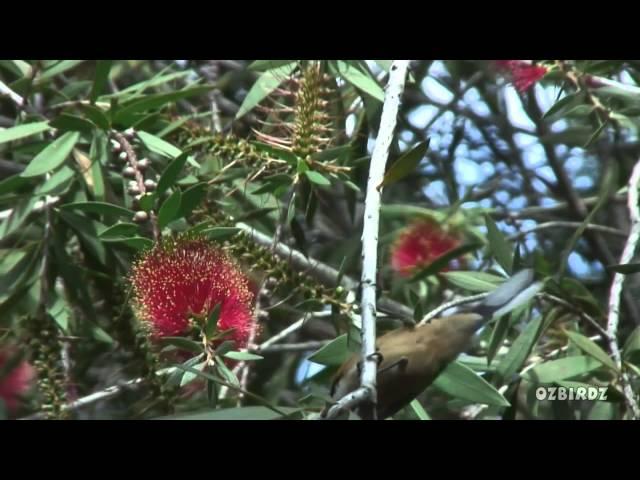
{"points": [[544, 165]]}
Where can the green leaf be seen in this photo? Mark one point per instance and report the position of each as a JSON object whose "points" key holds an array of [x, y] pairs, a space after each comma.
{"points": [[100, 78], [499, 246], [19, 214], [596, 134], [159, 146], [119, 229], [266, 83], [19, 68], [57, 183], [147, 201], [100, 335], [67, 122], [181, 343], [60, 313], [333, 353], [461, 382], [212, 321], [169, 210], [317, 178], [101, 208], [225, 346], [444, 260], [189, 377], [270, 186], [127, 112], [343, 151], [632, 344], [359, 79], [406, 164], [212, 393], [56, 69], [242, 356], [291, 210], [564, 104], [87, 230], [625, 268], [220, 233], [97, 116], [498, 334], [262, 65], [16, 271], [419, 410], [474, 281], [159, 79], [139, 243], [52, 156], [191, 198], [589, 347], [98, 156], [11, 184], [562, 369], [22, 131], [170, 174], [227, 374], [241, 413], [520, 350]]}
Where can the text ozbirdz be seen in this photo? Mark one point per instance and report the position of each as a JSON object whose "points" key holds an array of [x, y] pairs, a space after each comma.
{"points": [[572, 393]]}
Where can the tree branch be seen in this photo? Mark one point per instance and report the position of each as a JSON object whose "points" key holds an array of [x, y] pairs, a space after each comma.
{"points": [[576, 204], [616, 290], [564, 224], [366, 396], [319, 271]]}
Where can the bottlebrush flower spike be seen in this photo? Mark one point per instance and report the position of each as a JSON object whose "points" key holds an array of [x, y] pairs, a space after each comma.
{"points": [[419, 245], [186, 278], [523, 74], [15, 383]]}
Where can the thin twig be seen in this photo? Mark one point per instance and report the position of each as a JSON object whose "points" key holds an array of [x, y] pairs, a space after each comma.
{"points": [[566, 224], [283, 334], [453, 303], [616, 290], [532, 212], [133, 160], [573, 308], [295, 347], [105, 394], [473, 81]]}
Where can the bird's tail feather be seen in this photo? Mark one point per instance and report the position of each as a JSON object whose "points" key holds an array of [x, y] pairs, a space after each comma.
{"points": [[512, 293]]}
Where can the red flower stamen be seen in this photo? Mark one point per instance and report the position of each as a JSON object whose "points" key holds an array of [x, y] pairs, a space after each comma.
{"points": [[523, 74], [419, 245], [15, 383], [185, 278]]}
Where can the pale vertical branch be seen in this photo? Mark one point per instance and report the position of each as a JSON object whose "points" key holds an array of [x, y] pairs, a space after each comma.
{"points": [[366, 395], [616, 289]]}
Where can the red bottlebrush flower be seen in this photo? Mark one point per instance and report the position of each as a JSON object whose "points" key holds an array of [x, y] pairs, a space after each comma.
{"points": [[15, 383], [188, 277], [419, 245], [523, 74]]}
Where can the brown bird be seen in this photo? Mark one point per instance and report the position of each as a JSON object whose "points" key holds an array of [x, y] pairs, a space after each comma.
{"points": [[411, 358]]}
